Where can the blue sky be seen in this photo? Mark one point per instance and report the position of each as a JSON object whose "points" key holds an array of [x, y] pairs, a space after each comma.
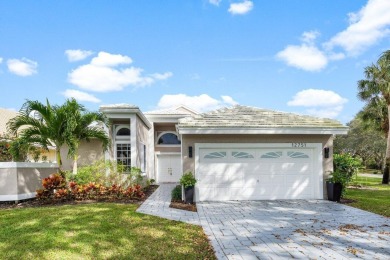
{"points": [[299, 56]]}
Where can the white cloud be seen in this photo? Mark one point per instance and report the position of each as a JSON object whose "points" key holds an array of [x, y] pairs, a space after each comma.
{"points": [[320, 103], [215, 2], [200, 103], [106, 59], [103, 75], [77, 55], [162, 76], [229, 100], [367, 27], [309, 37], [241, 8], [80, 96], [305, 56], [23, 67]]}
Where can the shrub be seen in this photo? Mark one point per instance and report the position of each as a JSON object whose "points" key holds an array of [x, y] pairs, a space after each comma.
{"points": [[187, 180], [5, 155], [176, 193], [106, 173], [55, 188], [342, 178], [19, 149], [51, 185], [346, 164]]}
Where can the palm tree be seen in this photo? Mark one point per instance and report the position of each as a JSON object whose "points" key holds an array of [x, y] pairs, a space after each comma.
{"points": [[41, 124], [375, 87], [83, 126], [48, 125]]}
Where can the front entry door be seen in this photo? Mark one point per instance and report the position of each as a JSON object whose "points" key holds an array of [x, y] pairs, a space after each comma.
{"points": [[169, 168]]}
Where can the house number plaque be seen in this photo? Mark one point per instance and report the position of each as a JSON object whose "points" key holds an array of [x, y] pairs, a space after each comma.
{"points": [[298, 145]]}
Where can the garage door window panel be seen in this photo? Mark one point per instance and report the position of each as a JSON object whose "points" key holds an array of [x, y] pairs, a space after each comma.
{"points": [[272, 155], [215, 155], [296, 154]]}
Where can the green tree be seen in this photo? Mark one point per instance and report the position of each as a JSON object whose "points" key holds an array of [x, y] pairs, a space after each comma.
{"points": [[374, 87], [83, 125], [53, 125], [41, 124], [364, 141]]}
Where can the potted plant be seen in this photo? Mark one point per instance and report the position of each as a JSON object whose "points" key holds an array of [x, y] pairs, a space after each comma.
{"points": [[188, 181], [335, 185]]}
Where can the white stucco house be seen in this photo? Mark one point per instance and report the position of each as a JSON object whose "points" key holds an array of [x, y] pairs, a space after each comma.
{"points": [[236, 153]]}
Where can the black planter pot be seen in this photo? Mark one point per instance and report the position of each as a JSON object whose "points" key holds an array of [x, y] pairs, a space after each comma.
{"points": [[334, 191], [189, 194]]}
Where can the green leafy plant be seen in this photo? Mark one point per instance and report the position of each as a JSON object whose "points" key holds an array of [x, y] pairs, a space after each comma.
{"points": [[19, 148], [188, 180], [107, 173], [346, 164], [176, 193], [152, 181], [5, 155], [341, 178], [44, 158], [35, 153]]}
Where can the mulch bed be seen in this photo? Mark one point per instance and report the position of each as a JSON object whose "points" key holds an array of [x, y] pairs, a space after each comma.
{"points": [[183, 206], [41, 203]]}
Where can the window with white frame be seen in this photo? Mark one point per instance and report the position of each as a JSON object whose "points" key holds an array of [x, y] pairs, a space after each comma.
{"points": [[168, 138], [123, 154], [123, 145]]}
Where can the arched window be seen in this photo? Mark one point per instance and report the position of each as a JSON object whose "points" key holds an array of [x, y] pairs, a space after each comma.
{"points": [[168, 138], [123, 132]]}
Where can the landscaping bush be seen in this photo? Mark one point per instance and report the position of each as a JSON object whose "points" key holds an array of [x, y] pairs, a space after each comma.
{"points": [[107, 173], [342, 178], [56, 188], [5, 155], [176, 193], [187, 180], [347, 164]]}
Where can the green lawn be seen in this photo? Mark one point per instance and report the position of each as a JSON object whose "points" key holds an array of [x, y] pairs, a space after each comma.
{"points": [[373, 196], [98, 231]]}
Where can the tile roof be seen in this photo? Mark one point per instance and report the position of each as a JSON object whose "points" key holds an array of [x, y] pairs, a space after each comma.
{"points": [[122, 105], [179, 110], [251, 117], [5, 116]]}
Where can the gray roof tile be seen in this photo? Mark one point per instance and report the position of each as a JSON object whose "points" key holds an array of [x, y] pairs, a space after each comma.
{"points": [[251, 117]]}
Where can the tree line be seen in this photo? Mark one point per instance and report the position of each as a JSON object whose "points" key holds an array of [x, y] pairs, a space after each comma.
{"points": [[368, 137]]}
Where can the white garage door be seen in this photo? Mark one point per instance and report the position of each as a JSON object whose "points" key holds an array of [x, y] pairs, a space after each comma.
{"points": [[258, 171]]}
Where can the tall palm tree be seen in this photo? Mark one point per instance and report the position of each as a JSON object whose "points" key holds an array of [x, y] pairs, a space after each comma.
{"points": [[376, 86], [41, 124], [83, 126], [49, 125]]}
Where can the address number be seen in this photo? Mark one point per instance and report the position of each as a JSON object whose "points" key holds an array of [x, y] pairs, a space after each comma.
{"points": [[298, 145]]}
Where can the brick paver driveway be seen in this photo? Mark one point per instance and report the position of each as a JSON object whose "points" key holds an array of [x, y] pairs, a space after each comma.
{"points": [[294, 229]]}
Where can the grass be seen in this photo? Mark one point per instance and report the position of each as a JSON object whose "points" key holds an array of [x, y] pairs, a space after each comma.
{"points": [[373, 196], [98, 231]]}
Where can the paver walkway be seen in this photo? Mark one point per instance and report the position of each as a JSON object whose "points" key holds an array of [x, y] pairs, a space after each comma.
{"points": [[158, 205], [282, 229]]}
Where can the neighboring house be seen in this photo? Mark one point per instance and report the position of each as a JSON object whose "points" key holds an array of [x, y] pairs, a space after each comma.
{"points": [[237, 153], [5, 116]]}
